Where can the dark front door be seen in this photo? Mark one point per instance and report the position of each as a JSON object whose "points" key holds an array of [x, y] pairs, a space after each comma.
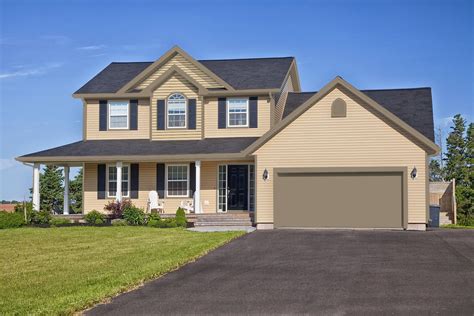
{"points": [[237, 196]]}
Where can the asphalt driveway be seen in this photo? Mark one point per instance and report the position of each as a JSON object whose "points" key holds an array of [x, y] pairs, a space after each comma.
{"points": [[318, 272]]}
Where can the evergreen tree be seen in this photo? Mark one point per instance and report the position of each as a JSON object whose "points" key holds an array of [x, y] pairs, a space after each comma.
{"points": [[456, 167], [470, 154], [436, 172], [75, 193], [52, 189]]}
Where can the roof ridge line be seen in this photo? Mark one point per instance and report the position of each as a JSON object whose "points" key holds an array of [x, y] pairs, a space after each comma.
{"points": [[249, 58], [389, 89]]}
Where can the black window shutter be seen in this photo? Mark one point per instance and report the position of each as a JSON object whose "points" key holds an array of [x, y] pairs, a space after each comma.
{"points": [[160, 179], [253, 112], [222, 112], [101, 174], [160, 112], [192, 114], [192, 179], [133, 115], [103, 115], [134, 180]]}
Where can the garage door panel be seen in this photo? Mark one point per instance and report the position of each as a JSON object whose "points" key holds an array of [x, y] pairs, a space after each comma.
{"points": [[366, 199]]}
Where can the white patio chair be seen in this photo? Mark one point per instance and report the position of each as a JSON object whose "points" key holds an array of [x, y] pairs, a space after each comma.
{"points": [[154, 202], [187, 206]]}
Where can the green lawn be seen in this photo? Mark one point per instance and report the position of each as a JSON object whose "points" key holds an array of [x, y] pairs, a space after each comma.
{"points": [[63, 270], [455, 226]]}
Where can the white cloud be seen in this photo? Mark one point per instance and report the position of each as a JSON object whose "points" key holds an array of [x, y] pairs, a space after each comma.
{"points": [[91, 47], [7, 163], [29, 71]]}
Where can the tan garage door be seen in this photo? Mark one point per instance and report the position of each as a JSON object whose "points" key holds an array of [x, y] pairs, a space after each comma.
{"points": [[339, 199]]}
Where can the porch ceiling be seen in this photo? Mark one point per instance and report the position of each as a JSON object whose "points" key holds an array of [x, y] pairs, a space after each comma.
{"points": [[143, 150]]}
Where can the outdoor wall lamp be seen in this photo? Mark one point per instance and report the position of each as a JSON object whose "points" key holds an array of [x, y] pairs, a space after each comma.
{"points": [[265, 175], [413, 173]]}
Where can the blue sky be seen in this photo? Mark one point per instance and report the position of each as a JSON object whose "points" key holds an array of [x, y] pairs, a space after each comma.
{"points": [[50, 48]]}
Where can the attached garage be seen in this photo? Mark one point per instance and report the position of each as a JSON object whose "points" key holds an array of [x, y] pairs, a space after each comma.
{"points": [[340, 197]]}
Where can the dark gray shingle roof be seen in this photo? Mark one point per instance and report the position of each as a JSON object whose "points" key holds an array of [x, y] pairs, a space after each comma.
{"points": [[257, 73], [413, 106], [144, 147], [251, 73], [113, 77]]}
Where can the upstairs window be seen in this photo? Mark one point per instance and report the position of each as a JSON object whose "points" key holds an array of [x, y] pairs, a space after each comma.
{"points": [[176, 111], [237, 112], [118, 115]]}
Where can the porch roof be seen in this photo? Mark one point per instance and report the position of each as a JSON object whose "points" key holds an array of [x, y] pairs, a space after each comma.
{"points": [[142, 150]]}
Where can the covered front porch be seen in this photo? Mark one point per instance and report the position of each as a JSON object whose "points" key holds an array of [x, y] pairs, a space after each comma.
{"points": [[210, 186], [212, 173]]}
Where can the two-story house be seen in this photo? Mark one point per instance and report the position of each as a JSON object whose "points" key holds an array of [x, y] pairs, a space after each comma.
{"points": [[238, 135]]}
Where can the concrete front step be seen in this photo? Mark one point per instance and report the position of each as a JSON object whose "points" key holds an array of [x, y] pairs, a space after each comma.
{"points": [[240, 223]]}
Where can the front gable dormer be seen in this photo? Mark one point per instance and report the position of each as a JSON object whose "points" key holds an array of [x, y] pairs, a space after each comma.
{"points": [[165, 108], [178, 58]]}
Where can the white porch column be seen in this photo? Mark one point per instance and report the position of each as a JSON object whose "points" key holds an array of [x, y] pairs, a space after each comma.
{"points": [[118, 196], [36, 186], [66, 190], [197, 193]]}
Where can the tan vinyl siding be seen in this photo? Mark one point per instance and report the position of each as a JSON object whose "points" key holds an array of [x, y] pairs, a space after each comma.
{"points": [[147, 183], [187, 67], [92, 123], [280, 106], [211, 120], [362, 139], [176, 83]]}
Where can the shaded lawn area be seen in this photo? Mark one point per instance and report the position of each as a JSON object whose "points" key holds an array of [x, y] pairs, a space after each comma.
{"points": [[62, 270]]}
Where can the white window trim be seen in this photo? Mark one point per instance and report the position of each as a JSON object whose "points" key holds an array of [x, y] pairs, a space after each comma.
{"points": [[128, 116], [185, 113], [187, 180], [228, 112], [107, 178]]}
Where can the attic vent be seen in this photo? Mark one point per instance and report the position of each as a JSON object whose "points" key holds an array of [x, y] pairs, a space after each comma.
{"points": [[339, 108]]}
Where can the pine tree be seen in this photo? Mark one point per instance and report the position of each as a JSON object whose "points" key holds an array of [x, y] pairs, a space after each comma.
{"points": [[436, 172], [52, 189], [470, 154], [456, 166], [75, 193]]}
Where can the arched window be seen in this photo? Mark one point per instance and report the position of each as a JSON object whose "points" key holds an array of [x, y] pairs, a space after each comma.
{"points": [[176, 111], [339, 108]]}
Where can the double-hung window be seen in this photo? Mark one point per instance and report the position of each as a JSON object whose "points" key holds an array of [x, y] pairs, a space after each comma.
{"points": [[112, 180], [177, 180], [118, 115], [238, 112], [176, 111]]}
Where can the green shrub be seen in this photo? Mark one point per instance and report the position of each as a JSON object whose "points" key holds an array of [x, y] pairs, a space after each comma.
{"points": [[153, 222], [164, 223], [134, 216], [58, 221], [29, 210], [180, 217], [466, 220], [95, 218], [154, 216], [41, 217], [11, 220], [119, 222]]}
